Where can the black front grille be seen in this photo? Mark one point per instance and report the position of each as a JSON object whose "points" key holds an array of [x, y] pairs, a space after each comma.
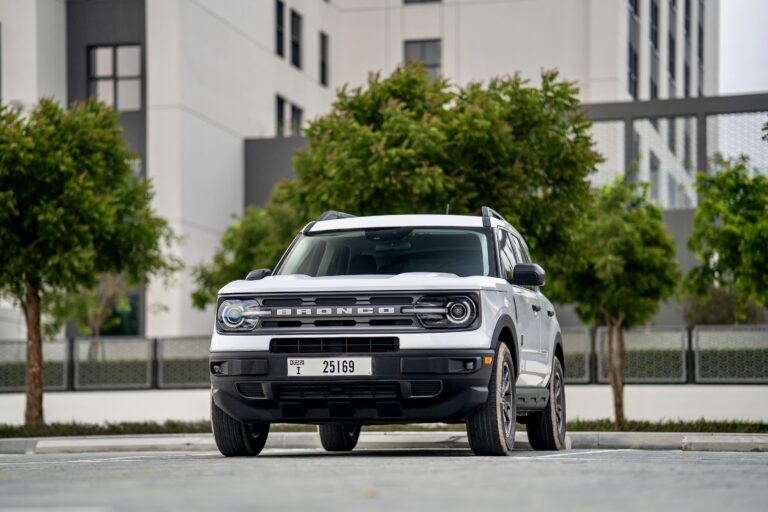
{"points": [[335, 345], [329, 391], [251, 389]]}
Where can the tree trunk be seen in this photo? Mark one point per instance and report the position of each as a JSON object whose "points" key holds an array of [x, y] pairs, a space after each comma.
{"points": [[618, 390], [34, 410], [614, 361]]}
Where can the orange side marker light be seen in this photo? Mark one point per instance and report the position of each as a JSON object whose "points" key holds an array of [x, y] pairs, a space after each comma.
{"points": [[487, 359]]}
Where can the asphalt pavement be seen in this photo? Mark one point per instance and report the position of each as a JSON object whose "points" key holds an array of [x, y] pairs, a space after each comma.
{"points": [[391, 481]]}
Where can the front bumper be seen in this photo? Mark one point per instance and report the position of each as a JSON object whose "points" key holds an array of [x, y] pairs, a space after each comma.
{"points": [[406, 386]]}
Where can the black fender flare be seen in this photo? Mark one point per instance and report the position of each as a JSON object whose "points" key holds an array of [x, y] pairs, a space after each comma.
{"points": [[505, 321]]}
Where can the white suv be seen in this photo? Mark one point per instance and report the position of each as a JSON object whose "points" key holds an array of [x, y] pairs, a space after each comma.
{"points": [[391, 319]]}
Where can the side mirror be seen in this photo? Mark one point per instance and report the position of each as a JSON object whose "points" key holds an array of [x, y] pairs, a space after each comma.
{"points": [[259, 273], [528, 274]]}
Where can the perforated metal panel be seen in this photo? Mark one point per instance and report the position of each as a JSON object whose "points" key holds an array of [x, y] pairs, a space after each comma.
{"points": [[731, 354], [183, 362], [576, 348], [113, 363], [653, 354], [13, 363]]}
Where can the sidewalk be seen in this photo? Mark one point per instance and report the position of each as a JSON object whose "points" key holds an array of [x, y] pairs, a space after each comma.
{"points": [[388, 441], [650, 402]]}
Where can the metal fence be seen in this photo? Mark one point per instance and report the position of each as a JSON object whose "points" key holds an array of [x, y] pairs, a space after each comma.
{"points": [[654, 355], [731, 354]]}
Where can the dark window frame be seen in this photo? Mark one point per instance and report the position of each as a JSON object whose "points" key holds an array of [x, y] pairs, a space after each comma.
{"points": [[632, 70], [279, 115], [92, 78], [297, 119], [280, 28], [296, 36], [654, 25], [434, 69], [324, 57]]}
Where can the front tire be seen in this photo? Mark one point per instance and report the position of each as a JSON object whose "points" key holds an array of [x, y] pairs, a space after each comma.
{"points": [[546, 429], [339, 438], [236, 439], [491, 428]]}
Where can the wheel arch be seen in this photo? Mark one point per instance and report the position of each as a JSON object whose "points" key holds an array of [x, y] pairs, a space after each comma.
{"points": [[506, 332], [558, 351]]}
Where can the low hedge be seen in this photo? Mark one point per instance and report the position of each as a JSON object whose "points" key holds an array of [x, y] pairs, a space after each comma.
{"points": [[200, 427]]}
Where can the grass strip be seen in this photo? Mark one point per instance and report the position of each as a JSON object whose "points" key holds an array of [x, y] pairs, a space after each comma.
{"points": [[197, 427]]}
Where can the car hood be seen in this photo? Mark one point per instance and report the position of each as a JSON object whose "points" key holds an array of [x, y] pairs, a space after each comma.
{"points": [[410, 281]]}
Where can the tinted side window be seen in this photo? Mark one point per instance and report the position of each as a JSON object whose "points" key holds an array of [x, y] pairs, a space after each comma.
{"points": [[507, 254], [522, 250]]}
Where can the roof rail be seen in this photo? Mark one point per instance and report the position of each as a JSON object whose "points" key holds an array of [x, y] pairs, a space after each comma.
{"points": [[489, 213], [333, 215]]}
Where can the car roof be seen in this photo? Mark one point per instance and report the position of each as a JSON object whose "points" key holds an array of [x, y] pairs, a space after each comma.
{"points": [[396, 221]]}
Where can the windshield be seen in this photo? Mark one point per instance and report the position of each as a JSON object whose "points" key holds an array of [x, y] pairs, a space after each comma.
{"points": [[463, 252]]}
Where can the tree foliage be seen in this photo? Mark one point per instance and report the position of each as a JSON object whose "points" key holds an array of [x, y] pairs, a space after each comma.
{"points": [[626, 266], [730, 234], [409, 143], [70, 209]]}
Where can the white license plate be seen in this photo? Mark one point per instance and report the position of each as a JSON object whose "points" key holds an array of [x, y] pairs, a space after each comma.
{"points": [[328, 366]]}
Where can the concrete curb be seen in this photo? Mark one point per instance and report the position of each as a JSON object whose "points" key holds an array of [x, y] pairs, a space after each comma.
{"points": [[386, 441], [726, 443]]}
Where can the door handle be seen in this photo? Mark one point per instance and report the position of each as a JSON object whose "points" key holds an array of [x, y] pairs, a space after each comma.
{"points": [[536, 308], [551, 312]]}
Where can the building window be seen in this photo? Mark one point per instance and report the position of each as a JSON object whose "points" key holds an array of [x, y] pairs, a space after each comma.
{"points": [[634, 8], [323, 58], [687, 163], [671, 61], [279, 115], [654, 89], [297, 117], [672, 135], [655, 25], [687, 80], [114, 76], [632, 71], [687, 18], [280, 28], [426, 51], [295, 39], [654, 178]]}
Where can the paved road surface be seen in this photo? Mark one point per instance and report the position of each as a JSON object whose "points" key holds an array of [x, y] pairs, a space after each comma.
{"points": [[391, 481]]}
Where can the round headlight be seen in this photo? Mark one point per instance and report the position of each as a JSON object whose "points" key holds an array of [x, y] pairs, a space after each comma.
{"points": [[231, 314], [459, 311]]}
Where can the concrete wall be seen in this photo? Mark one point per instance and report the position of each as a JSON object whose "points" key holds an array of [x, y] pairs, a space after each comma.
{"points": [[33, 50], [211, 83]]}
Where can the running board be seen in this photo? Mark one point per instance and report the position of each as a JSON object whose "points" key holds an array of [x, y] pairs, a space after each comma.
{"points": [[531, 399]]}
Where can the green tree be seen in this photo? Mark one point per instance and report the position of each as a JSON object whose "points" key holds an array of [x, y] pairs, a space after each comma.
{"points": [[730, 234], [626, 266], [94, 309], [70, 209], [409, 143]]}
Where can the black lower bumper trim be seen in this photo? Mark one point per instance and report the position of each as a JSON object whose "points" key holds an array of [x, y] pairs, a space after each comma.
{"points": [[396, 392]]}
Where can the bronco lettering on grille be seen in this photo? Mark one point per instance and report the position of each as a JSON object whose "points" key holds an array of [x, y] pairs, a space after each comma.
{"points": [[341, 311]]}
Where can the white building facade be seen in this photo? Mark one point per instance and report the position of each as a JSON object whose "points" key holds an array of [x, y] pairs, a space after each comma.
{"points": [[194, 79]]}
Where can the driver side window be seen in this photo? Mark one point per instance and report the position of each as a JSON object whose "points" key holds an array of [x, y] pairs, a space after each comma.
{"points": [[507, 255]]}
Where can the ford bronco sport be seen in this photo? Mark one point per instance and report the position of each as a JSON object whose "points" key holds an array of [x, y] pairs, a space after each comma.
{"points": [[391, 319]]}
